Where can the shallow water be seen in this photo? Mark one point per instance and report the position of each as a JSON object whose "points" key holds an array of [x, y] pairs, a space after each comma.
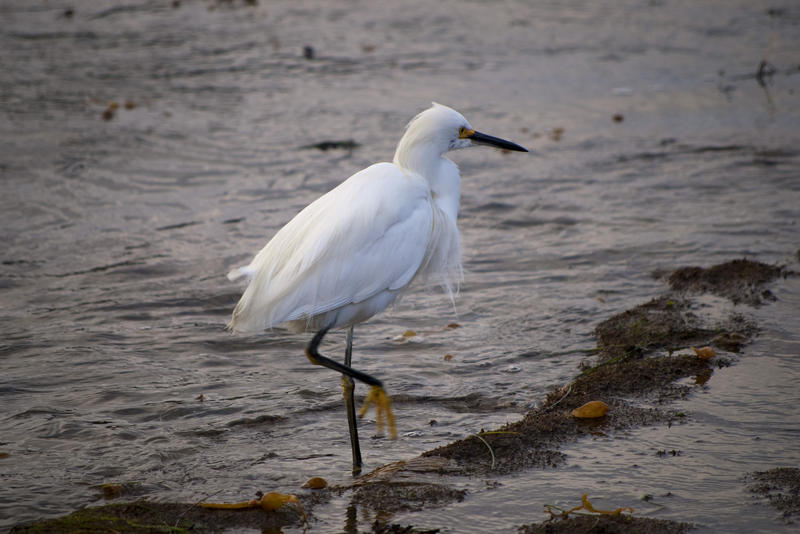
{"points": [[117, 235]]}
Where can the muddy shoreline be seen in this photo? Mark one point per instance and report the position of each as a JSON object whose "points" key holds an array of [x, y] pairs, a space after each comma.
{"points": [[645, 359]]}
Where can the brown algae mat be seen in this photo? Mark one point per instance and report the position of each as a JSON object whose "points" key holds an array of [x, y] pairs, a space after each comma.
{"points": [[637, 361]]}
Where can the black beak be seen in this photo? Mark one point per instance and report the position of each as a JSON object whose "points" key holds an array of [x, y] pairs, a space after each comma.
{"points": [[483, 139]]}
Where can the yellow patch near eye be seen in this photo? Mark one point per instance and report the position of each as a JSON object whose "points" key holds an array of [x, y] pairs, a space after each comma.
{"points": [[463, 133]]}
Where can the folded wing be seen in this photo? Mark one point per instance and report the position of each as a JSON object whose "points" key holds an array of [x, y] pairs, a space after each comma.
{"points": [[370, 234]]}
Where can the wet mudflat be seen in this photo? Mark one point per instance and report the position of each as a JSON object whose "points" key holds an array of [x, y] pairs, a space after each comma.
{"points": [[627, 369], [149, 147]]}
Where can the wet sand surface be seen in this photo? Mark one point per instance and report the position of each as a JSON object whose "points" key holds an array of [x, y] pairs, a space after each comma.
{"points": [[148, 147]]}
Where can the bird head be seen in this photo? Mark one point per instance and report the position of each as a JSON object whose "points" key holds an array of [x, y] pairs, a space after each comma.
{"points": [[440, 129]]}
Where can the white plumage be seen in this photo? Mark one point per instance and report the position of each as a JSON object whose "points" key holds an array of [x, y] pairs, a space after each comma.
{"points": [[353, 251]]}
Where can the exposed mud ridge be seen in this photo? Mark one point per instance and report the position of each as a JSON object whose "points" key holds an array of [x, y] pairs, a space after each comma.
{"points": [[643, 362], [666, 322], [626, 369], [607, 524], [153, 517], [391, 496], [781, 487], [534, 441], [740, 281]]}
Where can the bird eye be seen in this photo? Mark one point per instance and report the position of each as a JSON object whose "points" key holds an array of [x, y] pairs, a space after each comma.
{"points": [[462, 132]]}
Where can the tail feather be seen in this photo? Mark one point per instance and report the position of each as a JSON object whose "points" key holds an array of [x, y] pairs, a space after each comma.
{"points": [[240, 272]]}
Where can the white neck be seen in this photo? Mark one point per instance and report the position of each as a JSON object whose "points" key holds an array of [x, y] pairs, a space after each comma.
{"points": [[421, 150], [446, 189], [441, 173]]}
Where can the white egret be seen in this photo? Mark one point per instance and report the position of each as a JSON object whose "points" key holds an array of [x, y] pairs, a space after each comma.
{"points": [[353, 251]]}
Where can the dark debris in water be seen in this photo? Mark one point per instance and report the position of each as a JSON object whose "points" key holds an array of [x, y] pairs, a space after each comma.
{"points": [[266, 420], [215, 4], [606, 524], [781, 487], [177, 226], [380, 528], [346, 144]]}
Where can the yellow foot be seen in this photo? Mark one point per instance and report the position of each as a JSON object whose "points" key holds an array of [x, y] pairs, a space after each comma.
{"points": [[380, 399]]}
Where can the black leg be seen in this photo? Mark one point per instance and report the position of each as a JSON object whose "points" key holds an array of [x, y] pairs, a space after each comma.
{"points": [[348, 386], [318, 359]]}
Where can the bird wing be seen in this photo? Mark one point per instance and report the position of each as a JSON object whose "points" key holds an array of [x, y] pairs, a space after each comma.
{"points": [[370, 234]]}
